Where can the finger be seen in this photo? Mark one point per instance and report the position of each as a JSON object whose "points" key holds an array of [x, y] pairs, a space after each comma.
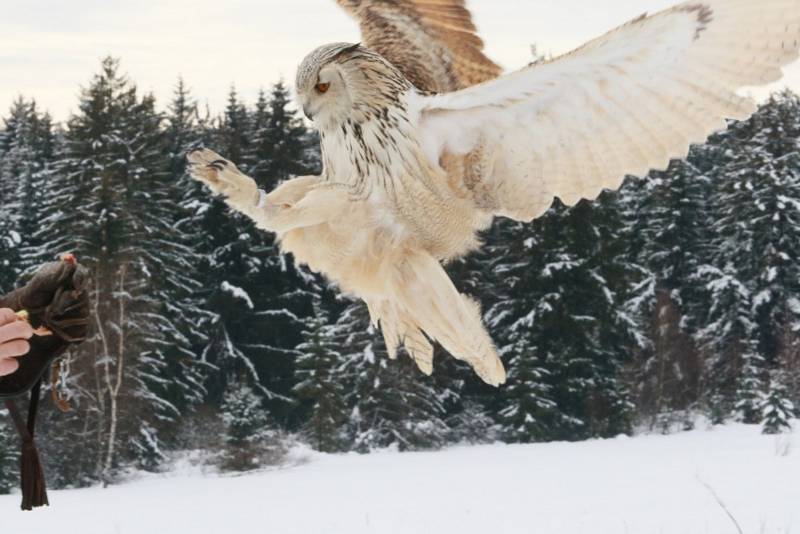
{"points": [[7, 316], [15, 348], [15, 330], [8, 366]]}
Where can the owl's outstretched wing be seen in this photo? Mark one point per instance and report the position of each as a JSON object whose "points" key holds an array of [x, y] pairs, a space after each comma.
{"points": [[433, 42], [621, 105]]}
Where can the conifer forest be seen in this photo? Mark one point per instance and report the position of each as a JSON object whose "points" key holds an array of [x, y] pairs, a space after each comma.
{"points": [[674, 300]]}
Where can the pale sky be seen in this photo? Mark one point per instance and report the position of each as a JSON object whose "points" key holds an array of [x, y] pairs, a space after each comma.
{"points": [[49, 48]]}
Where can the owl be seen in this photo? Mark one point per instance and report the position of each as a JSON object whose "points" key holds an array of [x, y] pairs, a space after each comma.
{"points": [[424, 142]]}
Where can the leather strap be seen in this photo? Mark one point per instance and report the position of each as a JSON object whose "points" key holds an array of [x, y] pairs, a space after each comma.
{"points": [[34, 491]]}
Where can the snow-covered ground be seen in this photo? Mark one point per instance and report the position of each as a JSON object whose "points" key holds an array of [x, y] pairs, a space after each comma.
{"points": [[647, 485]]}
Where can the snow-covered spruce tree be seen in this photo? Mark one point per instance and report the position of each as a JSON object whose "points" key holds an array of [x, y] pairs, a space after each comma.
{"points": [[10, 240], [16, 172], [183, 286], [213, 236], [234, 132], [562, 327], [250, 440], [256, 335], [390, 403], [111, 205], [775, 223], [750, 387], [777, 410], [30, 144], [185, 129], [279, 139], [754, 276], [727, 336], [472, 423], [529, 411], [667, 240], [319, 386]]}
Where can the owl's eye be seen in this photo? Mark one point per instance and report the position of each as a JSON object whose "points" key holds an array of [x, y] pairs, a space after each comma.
{"points": [[323, 87]]}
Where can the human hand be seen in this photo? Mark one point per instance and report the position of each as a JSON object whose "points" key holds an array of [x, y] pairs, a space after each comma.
{"points": [[14, 336], [57, 300]]}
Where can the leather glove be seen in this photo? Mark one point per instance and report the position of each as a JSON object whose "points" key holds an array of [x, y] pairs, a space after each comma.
{"points": [[56, 300]]}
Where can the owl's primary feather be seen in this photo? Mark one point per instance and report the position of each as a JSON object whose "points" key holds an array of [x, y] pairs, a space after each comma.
{"points": [[432, 42], [417, 158], [622, 104]]}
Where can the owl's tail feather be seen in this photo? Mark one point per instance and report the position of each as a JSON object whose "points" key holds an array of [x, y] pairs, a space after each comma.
{"points": [[399, 329], [423, 301]]}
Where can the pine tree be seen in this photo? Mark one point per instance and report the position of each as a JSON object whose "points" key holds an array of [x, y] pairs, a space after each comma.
{"points": [[390, 402], [667, 241], [318, 385], [250, 440], [254, 335], [26, 152], [777, 410], [279, 139], [750, 387], [562, 325], [184, 128], [753, 274], [112, 205]]}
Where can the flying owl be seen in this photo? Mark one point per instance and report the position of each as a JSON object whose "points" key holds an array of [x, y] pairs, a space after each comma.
{"points": [[424, 142]]}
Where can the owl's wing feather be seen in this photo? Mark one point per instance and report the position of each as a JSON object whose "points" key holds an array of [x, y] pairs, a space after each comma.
{"points": [[623, 104], [433, 42]]}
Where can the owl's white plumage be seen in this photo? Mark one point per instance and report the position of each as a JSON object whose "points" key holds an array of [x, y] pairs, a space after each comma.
{"points": [[417, 158], [621, 105]]}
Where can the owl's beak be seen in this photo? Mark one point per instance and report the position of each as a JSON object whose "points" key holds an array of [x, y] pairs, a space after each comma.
{"points": [[307, 113]]}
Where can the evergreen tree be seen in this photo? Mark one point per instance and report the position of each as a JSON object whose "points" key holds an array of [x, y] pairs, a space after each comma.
{"points": [[319, 385], [667, 242], [255, 335], [777, 410], [112, 205], [26, 152], [563, 327], [184, 128], [390, 402], [250, 440], [753, 274], [279, 139]]}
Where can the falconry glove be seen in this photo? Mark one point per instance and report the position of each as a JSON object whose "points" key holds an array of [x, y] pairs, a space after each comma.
{"points": [[56, 303]]}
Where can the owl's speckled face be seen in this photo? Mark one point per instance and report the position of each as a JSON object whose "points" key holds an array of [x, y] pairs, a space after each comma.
{"points": [[321, 85], [344, 81]]}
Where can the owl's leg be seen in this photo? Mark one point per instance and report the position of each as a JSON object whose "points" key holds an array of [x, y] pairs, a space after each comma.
{"points": [[321, 203], [297, 203], [222, 177]]}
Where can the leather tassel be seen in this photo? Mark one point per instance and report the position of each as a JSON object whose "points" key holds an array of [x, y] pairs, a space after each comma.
{"points": [[34, 491]]}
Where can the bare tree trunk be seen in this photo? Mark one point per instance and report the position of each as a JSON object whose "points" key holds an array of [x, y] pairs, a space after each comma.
{"points": [[114, 382], [98, 383]]}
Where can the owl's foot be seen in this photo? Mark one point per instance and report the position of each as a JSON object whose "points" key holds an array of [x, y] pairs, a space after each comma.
{"points": [[221, 176]]}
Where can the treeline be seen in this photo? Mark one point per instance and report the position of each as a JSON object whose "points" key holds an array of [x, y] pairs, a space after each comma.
{"points": [[675, 298]]}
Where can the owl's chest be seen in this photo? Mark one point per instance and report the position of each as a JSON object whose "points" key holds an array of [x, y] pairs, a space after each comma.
{"points": [[409, 198]]}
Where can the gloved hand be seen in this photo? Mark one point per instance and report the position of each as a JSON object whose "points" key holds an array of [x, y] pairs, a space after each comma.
{"points": [[56, 301]]}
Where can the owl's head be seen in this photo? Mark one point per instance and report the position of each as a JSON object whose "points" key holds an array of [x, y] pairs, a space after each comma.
{"points": [[344, 81]]}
